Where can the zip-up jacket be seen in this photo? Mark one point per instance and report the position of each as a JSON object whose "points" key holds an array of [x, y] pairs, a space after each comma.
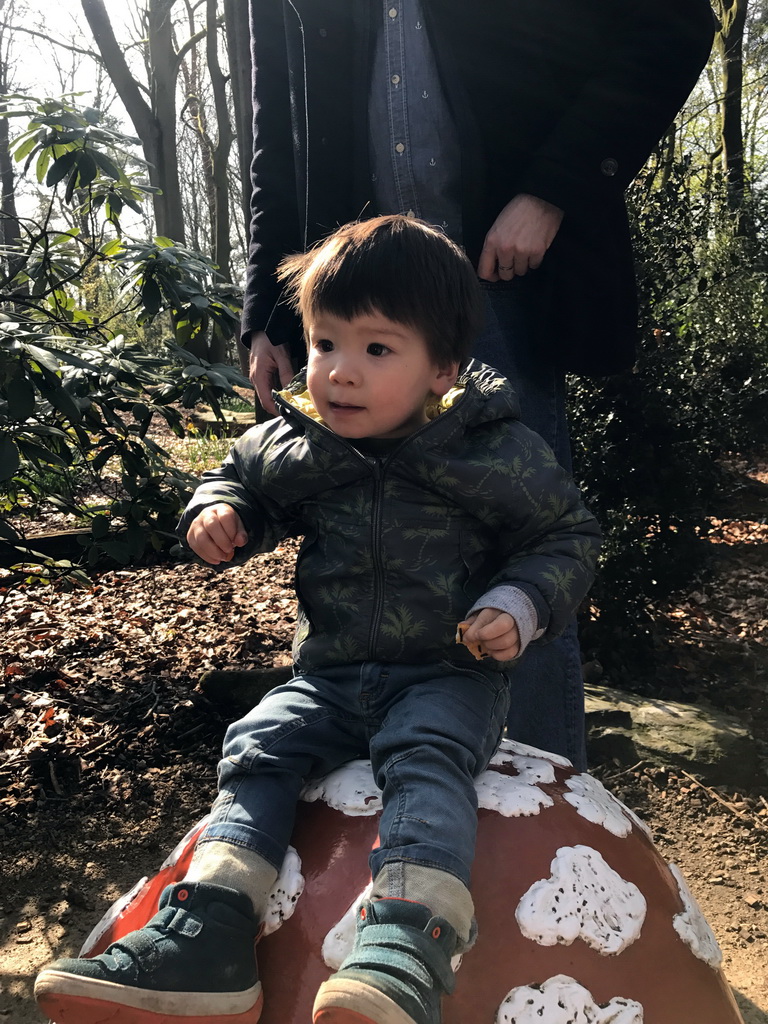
{"points": [[398, 549]]}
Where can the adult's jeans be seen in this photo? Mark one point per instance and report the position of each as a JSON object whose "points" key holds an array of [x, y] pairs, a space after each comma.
{"points": [[429, 730], [547, 705]]}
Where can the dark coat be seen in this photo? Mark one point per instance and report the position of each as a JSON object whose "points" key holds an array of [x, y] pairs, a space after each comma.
{"points": [[563, 99], [397, 549]]}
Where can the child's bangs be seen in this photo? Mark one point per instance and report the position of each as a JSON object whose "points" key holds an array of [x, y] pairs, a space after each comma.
{"points": [[355, 283]]}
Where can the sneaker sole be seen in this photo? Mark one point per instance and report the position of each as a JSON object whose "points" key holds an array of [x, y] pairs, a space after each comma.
{"points": [[346, 1001], [68, 999]]}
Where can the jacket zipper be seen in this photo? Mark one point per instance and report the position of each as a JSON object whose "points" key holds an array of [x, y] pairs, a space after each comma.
{"points": [[376, 552], [377, 468]]}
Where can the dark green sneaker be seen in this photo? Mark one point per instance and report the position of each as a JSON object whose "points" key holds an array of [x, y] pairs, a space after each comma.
{"points": [[193, 963], [397, 972]]}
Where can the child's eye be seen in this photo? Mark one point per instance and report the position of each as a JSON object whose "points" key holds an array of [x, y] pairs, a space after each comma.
{"points": [[377, 349], [324, 344]]}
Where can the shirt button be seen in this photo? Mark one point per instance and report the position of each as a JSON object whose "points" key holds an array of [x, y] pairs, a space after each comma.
{"points": [[395, 79], [410, 214], [609, 167], [400, 147], [393, 12], [323, 32]]}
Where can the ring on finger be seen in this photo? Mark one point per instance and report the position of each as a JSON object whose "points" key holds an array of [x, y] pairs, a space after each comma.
{"points": [[512, 267]]}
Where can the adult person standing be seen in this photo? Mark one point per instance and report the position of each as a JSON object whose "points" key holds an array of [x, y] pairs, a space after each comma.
{"points": [[516, 125]]}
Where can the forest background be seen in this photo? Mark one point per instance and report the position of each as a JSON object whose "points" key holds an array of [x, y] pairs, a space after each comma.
{"points": [[125, 139]]}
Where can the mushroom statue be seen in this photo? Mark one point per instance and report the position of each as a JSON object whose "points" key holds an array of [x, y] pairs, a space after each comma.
{"points": [[580, 919]]}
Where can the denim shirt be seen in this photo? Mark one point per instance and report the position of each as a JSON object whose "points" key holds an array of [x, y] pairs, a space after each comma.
{"points": [[413, 141]]}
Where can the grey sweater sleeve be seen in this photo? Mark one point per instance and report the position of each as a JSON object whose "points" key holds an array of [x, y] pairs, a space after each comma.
{"points": [[514, 602]]}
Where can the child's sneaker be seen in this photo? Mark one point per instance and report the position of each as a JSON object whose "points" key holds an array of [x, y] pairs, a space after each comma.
{"points": [[193, 963], [397, 972]]}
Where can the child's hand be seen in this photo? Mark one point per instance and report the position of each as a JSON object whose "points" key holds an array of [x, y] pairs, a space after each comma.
{"points": [[495, 632], [215, 534]]}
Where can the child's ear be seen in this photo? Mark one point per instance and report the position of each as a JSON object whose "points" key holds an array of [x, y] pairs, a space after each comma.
{"points": [[444, 379]]}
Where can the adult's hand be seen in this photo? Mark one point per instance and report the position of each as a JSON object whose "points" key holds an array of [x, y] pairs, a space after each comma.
{"points": [[519, 238], [268, 363]]}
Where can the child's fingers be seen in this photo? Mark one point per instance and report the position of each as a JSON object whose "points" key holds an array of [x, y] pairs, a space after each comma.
{"points": [[476, 623], [496, 627], [231, 524], [505, 647], [215, 533], [203, 544], [492, 633]]}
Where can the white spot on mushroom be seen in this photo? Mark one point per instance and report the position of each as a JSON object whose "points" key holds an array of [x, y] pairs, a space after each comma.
{"points": [[285, 892], [349, 789], [561, 1000], [584, 898], [338, 943], [518, 795], [507, 748], [692, 927], [593, 802]]}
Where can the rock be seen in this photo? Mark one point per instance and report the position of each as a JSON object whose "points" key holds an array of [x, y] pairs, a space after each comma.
{"points": [[712, 745], [242, 689], [591, 671]]}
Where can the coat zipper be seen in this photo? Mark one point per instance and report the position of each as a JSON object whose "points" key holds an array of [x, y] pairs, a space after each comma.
{"points": [[377, 468]]}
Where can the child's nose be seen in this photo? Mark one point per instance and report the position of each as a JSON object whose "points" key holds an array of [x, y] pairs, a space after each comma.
{"points": [[345, 372]]}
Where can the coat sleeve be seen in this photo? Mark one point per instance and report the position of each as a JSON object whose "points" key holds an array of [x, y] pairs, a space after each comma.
{"points": [[548, 541], [643, 69], [275, 221], [265, 521]]}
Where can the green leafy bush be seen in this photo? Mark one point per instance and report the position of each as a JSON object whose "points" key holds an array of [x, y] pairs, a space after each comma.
{"points": [[76, 401], [649, 444]]}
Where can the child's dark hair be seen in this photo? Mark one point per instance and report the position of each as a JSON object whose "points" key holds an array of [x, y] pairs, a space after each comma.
{"points": [[397, 266]]}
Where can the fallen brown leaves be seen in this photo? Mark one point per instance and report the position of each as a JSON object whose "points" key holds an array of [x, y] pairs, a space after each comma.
{"points": [[98, 686]]}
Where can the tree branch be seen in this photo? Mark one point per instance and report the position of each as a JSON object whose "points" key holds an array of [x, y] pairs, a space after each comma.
{"points": [[56, 42], [188, 45]]}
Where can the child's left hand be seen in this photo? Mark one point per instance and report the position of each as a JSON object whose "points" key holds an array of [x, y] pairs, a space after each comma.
{"points": [[496, 633]]}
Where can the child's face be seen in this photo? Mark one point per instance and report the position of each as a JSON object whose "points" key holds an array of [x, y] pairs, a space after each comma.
{"points": [[370, 376]]}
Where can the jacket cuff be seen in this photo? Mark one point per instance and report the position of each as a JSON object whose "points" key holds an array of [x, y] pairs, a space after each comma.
{"points": [[517, 603]]}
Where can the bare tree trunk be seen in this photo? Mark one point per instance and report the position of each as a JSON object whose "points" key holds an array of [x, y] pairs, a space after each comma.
{"points": [[10, 230], [164, 64], [239, 53], [730, 44], [154, 121], [198, 122], [222, 247]]}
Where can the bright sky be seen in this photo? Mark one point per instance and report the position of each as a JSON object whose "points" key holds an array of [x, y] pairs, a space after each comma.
{"points": [[36, 70]]}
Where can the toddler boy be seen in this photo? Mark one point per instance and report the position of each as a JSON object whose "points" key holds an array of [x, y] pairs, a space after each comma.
{"points": [[423, 501]]}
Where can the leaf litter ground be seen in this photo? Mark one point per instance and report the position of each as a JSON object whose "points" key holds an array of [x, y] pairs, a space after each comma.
{"points": [[109, 748]]}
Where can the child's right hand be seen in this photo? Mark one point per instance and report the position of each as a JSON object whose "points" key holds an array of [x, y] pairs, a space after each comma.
{"points": [[216, 532]]}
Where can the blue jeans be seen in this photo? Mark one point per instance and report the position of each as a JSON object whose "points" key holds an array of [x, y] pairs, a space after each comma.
{"points": [[429, 730], [547, 708]]}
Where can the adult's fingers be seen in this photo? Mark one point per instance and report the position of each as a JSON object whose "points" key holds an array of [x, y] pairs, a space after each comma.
{"points": [[488, 263]]}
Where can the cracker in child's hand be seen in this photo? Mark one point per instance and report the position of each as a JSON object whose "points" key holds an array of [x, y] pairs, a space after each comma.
{"points": [[475, 649]]}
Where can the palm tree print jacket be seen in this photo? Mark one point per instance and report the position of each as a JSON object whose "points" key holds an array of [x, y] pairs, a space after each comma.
{"points": [[397, 549]]}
